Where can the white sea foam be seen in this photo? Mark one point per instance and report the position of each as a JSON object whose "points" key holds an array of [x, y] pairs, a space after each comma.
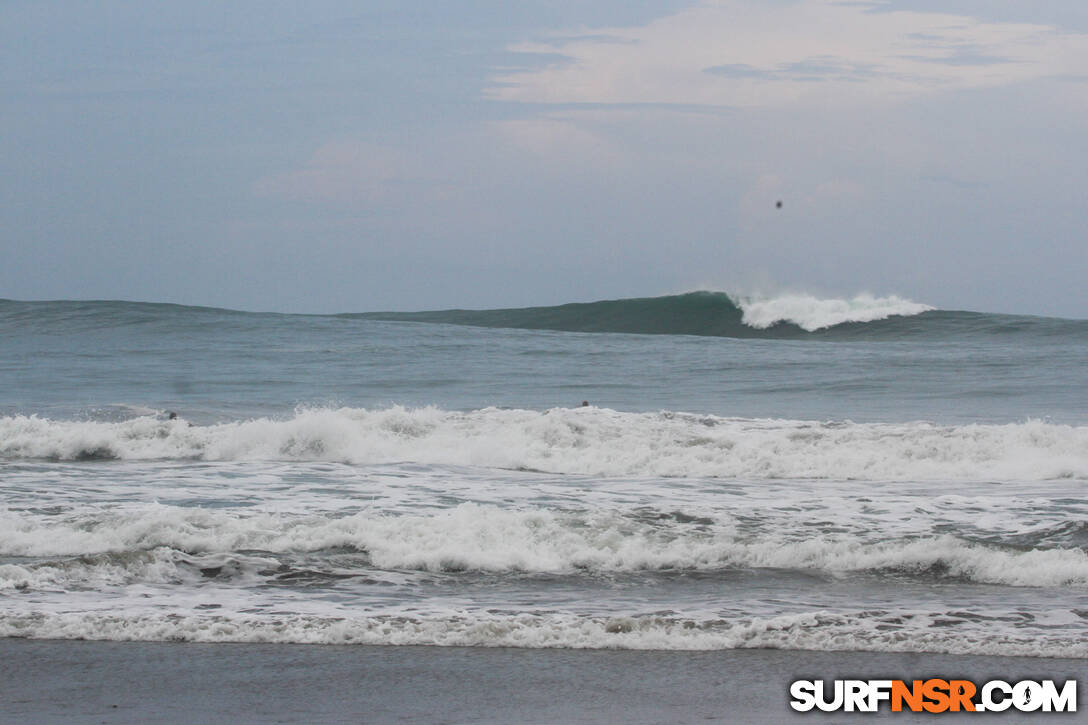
{"points": [[817, 630], [148, 543], [588, 441], [811, 313]]}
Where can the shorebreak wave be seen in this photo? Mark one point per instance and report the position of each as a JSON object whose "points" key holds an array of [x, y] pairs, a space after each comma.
{"points": [[585, 441]]}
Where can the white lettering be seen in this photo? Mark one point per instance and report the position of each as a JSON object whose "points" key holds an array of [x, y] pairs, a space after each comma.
{"points": [[993, 696], [857, 696], [1027, 696], [1064, 701], [992, 705], [823, 703], [803, 693], [879, 690]]}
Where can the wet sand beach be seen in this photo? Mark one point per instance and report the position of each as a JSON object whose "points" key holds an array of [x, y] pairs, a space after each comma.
{"points": [[49, 681]]}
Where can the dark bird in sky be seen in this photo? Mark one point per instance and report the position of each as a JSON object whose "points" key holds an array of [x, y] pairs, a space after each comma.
{"points": [[778, 204]]}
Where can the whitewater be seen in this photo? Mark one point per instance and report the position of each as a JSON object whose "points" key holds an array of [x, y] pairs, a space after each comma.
{"points": [[584, 441], [858, 474]]}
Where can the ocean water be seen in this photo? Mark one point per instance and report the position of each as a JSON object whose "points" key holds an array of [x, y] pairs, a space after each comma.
{"points": [[865, 474]]}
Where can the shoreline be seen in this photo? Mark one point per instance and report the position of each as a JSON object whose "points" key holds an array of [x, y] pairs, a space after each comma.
{"points": [[77, 681]]}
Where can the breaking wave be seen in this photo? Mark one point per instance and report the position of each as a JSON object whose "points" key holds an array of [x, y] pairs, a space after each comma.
{"points": [[880, 631], [811, 314], [164, 544], [791, 316], [787, 316], [583, 441], [694, 313]]}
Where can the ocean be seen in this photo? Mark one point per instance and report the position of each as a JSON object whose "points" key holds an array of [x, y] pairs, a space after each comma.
{"points": [[865, 474]]}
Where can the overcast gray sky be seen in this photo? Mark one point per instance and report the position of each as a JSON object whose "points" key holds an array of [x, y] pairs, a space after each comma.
{"points": [[352, 156]]}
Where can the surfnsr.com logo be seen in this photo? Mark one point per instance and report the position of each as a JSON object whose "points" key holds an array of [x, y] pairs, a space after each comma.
{"points": [[933, 695]]}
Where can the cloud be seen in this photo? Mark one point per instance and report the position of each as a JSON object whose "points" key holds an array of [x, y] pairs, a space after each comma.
{"points": [[751, 53], [466, 166], [547, 136], [566, 140], [830, 196], [349, 172]]}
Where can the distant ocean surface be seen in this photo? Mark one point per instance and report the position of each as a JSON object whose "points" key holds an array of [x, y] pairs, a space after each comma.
{"points": [[864, 474]]}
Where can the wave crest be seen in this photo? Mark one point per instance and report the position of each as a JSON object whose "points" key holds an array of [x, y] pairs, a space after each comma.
{"points": [[581, 441], [811, 313], [153, 543], [693, 313], [816, 630]]}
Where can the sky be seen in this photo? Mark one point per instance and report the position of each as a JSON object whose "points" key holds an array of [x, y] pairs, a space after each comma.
{"points": [[360, 156]]}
